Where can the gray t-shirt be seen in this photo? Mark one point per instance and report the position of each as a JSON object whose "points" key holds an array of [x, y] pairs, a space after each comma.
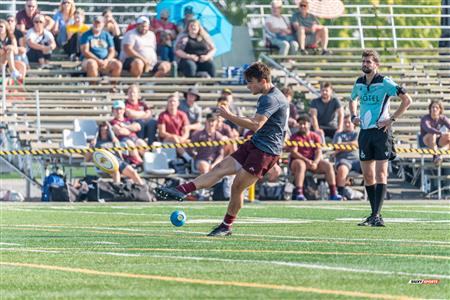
{"points": [[343, 137], [270, 137], [306, 22], [194, 112], [326, 112]]}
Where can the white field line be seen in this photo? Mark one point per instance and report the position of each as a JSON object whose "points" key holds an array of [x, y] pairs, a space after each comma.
{"points": [[102, 243], [396, 220], [366, 209], [10, 244], [251, 261]]}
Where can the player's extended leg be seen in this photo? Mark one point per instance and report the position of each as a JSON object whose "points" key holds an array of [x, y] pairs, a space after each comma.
{"points": [[368, 171], [241, 182]]}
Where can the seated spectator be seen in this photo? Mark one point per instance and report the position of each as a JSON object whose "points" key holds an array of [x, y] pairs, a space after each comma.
{"points": [[432, 133], [226, 130], [194, 112], [346, 161], [139, 51], [25, 17], [8, 46], [74, 33], [207, 157], [126, 131], [326, 112], [106, 139], [278, 30], [188, 16], [195, 50], [173, 125], [40, 42], [308, 29], [64, 16], [138, 111], [112, 28], [309, 159], [293, 112], [97, 49], [228, 94], [166, 33], [21, 53]]}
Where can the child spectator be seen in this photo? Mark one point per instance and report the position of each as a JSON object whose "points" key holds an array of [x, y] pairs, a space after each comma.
{"points": [[166, 33], [74, 33]]}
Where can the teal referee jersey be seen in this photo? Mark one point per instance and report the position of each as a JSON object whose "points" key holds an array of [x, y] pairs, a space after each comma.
{"points": [[374, 99]]}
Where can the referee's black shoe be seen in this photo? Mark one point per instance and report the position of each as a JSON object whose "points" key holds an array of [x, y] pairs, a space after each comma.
{"points": [[368, 221], [377, 222]]}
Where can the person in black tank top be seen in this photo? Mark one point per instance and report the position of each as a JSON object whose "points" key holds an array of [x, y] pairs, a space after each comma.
{"points": [[195, 51], [8, 46]]}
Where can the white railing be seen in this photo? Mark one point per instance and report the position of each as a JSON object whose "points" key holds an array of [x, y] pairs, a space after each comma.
{"points": [[360, 13]]}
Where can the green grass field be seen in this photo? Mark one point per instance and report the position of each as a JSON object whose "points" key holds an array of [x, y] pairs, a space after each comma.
{"points": [[290, 250]]}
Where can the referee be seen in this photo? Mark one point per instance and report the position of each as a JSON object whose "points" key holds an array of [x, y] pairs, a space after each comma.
{"points": [[375, 138]]}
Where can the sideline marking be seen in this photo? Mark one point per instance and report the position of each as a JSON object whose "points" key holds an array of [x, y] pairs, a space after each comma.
{"points": [[208, 282]]}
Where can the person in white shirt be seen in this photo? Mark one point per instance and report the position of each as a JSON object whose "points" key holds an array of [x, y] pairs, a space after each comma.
{"points": [[278, 30], [139, 51], [40, 42]]}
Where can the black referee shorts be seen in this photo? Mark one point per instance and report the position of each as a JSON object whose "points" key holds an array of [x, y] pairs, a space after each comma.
{"points": [[375, 144]]}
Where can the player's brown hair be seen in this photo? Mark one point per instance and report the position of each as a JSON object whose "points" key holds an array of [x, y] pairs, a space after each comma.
{"points": [[259, 71]]}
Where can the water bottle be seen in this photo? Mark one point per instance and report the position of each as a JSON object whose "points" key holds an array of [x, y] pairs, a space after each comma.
{"points": [[323, 190]]}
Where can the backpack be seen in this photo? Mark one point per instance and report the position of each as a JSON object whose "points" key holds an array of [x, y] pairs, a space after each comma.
{"points": [[222, 189], [311, 188], [271, 191], [54, 182]]}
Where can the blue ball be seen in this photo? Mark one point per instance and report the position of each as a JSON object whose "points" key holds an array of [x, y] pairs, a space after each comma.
{"points": [[178, 218]]}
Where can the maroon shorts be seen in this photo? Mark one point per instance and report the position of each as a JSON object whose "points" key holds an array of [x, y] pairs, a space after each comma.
{"points": [[253, 160]]}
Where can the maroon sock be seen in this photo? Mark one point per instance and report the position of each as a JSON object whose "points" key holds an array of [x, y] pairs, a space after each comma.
{"points": [[299, 190], [228, 220], [332, 190], [186, 188]]}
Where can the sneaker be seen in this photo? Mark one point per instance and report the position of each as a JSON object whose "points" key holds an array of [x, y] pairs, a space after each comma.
{"points": [[299, 197], [377, 222], [367, 221], [220, 230], [326, 52], [15, 74], [167, 193], [336, 197], [304, 52]]}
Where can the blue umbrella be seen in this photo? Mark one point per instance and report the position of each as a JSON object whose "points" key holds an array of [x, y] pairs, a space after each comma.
{"points": [[210, 18]]}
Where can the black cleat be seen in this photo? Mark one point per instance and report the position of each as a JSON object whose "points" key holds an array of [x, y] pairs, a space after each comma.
{"points": [[220, 230], [166, 193], [367, 221], [377, 222]]}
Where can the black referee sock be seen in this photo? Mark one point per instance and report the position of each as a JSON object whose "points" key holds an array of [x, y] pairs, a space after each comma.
{"points": [[370, 189], [380, 192]]}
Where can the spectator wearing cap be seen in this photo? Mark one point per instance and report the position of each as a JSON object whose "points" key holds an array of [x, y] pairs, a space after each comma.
{"points": [[166, 32], [193, 111], [40, 42], [140, 112], [188, 15], [139, 51], [25, 17], [113, 28], [205, 158], [97, 49], [173, 125], [63, 17], [278, 30], [126, 130], [21, 53], [195, 50]]}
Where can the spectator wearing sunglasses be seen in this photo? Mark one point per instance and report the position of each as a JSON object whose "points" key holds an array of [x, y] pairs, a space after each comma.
{"points": [[25, 17], [40, 42]]}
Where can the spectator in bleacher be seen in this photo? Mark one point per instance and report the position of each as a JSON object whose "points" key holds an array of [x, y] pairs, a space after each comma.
{"points": [[173, 125], [97, 49], [278, 30], [40, 42], [74, 33], [113, 28], [304, 159], [107, 139], [207, 157], [346, 161], [8, 47], [166, 33], [225, 129], [25, 17], [235, 109], [293, 112], [195, 50], [188, 15], [138, 111], [139, 51], [64, 16], [21, 54], [308, 29], [126, 131], [432, 128], [193, 111], [327, 113]]}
